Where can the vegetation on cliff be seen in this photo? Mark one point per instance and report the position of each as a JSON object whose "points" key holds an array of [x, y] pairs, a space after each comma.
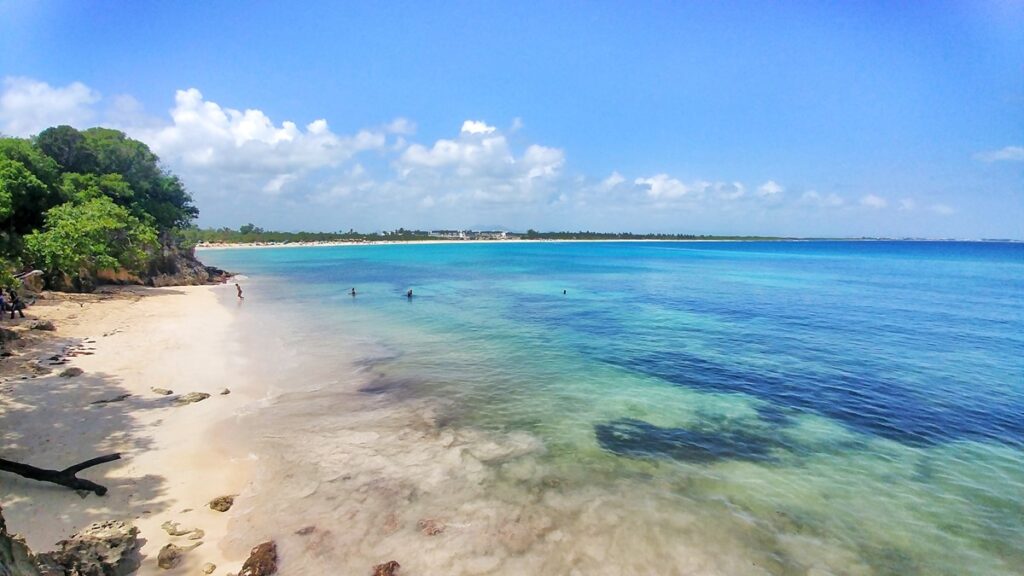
{"points": [[77, 203]]}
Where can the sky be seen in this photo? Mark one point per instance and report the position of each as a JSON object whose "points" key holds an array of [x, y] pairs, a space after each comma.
{"points": [[896, 119]]}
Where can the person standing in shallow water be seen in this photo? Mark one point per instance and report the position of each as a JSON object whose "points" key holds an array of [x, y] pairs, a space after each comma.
{"points": [[353, 292], [409, 294], [239, 288]]}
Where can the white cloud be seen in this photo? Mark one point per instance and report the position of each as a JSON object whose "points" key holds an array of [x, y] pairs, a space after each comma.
{"points": [[28, 106], [729, 191], [873, 201], [402, 126], [517, 125], [662, 187], [942, 209], [613, 180], [908, 204], [476, 127], [1005, 154], [769, 189], [242, 150]]}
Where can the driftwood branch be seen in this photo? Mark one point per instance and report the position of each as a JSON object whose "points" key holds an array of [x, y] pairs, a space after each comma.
{"points": [[65, 477]]}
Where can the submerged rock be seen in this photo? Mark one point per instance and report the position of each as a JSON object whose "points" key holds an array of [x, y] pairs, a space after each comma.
{"points": [[636, 438], [431, 527], [389, 568], [191, 398], [262, 560], [222, 503]]}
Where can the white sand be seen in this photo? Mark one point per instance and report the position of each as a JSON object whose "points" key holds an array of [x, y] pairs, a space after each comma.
{"points": [[174, 338]]}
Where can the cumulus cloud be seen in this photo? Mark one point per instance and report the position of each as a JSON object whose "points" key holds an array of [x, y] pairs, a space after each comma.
{"points": [[28, 106], [873, 201], [245, 148], [479, 166], [476, 127], [769, 189], [662, 187], [1005, 154]]}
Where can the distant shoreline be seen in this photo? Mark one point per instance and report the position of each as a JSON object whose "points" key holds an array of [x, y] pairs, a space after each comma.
{"points": [[310, 244]]}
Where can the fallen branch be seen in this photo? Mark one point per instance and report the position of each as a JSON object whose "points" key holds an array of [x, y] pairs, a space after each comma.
{"points": [[65, 477]]}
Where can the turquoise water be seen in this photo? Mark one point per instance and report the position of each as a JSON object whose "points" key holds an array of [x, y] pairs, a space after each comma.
{"points": [[682, 408]]}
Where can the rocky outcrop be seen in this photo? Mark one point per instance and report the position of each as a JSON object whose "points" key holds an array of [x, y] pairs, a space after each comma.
{"points": [[175, 266], [101, 549], [15, 557], [262, 560], [44, 325]]}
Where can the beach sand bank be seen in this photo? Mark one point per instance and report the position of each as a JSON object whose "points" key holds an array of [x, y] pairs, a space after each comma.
{"points": [[175, 458]]}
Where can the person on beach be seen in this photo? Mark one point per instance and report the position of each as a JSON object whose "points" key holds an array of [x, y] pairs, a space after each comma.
{"points": [[16, 304], [3, 304], [239, 288]]}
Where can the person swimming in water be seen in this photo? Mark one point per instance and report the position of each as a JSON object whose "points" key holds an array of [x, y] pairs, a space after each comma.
{"points": [[353, 292], [409, 294]]}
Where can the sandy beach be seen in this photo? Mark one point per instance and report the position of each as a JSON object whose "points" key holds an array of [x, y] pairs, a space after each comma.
{"points": [[129, 341]]}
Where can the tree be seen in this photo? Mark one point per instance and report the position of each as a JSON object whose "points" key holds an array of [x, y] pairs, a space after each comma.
{"points": [[68, 148], [83, 238], [23, 198], [83, 187], [156, 192]]}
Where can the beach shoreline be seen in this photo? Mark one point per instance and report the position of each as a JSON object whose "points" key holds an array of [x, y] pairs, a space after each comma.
{"points": [[130, 344]]}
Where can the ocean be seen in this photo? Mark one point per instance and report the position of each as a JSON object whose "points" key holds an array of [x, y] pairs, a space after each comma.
{"points": [[660, 408]]}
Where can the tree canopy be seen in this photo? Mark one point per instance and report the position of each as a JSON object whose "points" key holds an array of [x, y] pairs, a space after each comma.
{"points": [[73, 202]]}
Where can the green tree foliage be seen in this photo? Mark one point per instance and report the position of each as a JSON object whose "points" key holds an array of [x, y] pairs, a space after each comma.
{"points": [[68, 148], [82, 238], [157, 193], [29, 177], [73, 202]]}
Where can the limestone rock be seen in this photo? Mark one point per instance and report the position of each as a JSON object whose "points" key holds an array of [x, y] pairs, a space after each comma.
{"points": [[222, 503], [71, 372], [225, 392], [169, 556], [100, 549], [174, 529], [197, 534], [191, 398], [262, 560], [45, 325], [389, 568], [209, 567], [162, 391], [306, 530]]}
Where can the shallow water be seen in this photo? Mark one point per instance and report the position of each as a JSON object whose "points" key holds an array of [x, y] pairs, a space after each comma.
{"points": [[726, 408]]}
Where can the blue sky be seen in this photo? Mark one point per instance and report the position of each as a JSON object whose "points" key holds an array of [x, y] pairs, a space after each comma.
{"points": [[789, 118]]}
